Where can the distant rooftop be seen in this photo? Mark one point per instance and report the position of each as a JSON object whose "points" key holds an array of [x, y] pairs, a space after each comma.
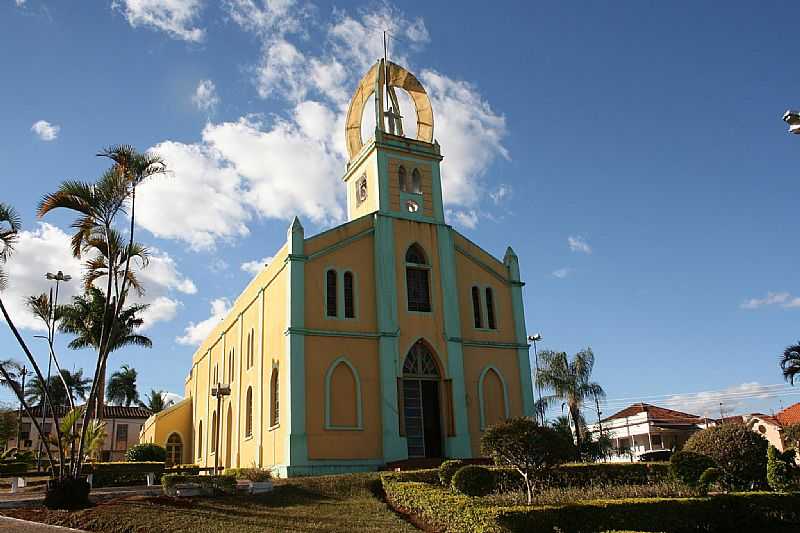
{"points": [[110, 411], [655, 412]]}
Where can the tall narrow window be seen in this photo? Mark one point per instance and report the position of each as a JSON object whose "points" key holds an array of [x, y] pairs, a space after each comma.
{"points": [[349, 303], [417, 283], [402, 178], [200, 439], [216, 375], [330, 288], [476, 307], [248, 420], [416, 182], [231, 373], [214, 432], [490, 308], [274, 411]]}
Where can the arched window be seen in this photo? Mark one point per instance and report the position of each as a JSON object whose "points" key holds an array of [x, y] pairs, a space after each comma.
{"points": [[216, 375], [174, 450], [214, 432], [490, 308], [476, 307], [248, 418], [200, 439], [402, 178], [274, 398], [417, 282], [416, 182], [231, 373], [252, 346], [330, 293], [342, 396], [493, 397], [420, 362], [349, 301]]}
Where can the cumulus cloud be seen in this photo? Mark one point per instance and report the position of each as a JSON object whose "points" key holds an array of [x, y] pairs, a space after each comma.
{"points": [[45, 130], [195, 333], [205, 96], [735, 399], [500, 193], [256, 266], [47, 248], [781, 299], [579, 244], [562, 273], [464, 218], [175, 17], [20, 3]]}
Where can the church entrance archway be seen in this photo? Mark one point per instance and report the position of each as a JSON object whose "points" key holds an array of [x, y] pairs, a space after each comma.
{"points": [[421, 407]]}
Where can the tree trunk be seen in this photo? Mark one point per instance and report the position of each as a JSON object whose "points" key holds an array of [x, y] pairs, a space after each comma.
{"points": [[575, 416]]}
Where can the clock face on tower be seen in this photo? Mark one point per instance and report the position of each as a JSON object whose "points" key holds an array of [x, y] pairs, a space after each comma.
{"points": [[361, 189]]}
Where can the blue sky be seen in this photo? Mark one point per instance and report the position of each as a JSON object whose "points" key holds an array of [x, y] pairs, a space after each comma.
{"points": [[631, 153]]}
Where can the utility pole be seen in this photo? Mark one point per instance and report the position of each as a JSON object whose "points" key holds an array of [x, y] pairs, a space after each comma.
{"points": [[219, 391], [597, 406], [537, 393], [721, 416]]}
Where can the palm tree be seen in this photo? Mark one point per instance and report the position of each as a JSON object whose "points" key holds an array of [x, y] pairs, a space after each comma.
{"points": [[76, 384], [570, 383], [13, 370], [10, 224], [122, 387], [790, 362], [155, 402]]}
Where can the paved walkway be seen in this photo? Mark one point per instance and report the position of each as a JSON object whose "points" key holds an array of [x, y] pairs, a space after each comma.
{"points": [[23, 526], [32, 499]]}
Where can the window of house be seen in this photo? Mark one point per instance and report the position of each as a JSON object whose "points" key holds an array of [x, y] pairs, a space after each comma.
{"points": [[417, 279], [476, 307], [490, 308], [25, 431], [274, 398], [122, 436], [330, 288], [200, 439], [349, 303], [248, 419], [402, 178], [416, 182], [48, 427]]}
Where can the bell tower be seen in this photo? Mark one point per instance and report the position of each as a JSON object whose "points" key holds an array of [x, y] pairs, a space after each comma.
{"points": [[391, 173]]}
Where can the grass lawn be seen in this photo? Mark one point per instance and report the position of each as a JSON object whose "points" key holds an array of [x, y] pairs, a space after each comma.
{"points": [[327, 503]]}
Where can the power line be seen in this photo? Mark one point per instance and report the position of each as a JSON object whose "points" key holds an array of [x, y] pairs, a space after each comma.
{"points": [[779, 386]]}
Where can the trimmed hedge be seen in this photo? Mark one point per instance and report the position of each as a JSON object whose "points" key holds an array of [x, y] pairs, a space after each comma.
{"points": [[425, 475], [473, 480], [689, 466], [119, 473], [448, 469], [209, 484], [250, 474], [14, 468], [146, 452], [444, 511], [586, 474]]}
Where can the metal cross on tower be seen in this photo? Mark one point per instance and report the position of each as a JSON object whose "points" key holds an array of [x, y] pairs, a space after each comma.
{"points": [[393, 117]]}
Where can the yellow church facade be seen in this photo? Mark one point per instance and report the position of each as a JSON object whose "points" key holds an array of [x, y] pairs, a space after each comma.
{"points": [[389, 337]]}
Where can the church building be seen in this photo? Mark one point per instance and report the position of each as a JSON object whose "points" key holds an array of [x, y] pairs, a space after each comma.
{"points": [[389, 337]]}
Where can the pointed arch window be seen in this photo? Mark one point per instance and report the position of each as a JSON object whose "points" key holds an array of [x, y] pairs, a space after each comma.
{"points": [[231, 372], [342, 396], [214, 432], [476, 307], [274, 399], [330, 293], [402, 178], [200, 439], [493, 397], [417, 279], [349, 297], [490, 308], [248, 419], [416, 182]]}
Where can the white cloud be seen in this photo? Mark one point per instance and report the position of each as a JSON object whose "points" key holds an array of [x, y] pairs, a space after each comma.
{"points": [[45, 130], [500, 193], [47, 249], [198, 202], [467, 218], [268, 17], [20, 3], [205, 96], [195, 333], [562, 273], [175, 17], [782, 299], [256, 266], [578, 244], [734, 399]]}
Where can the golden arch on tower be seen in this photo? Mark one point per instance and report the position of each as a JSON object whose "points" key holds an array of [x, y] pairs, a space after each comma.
{"points": [[381, 80]]}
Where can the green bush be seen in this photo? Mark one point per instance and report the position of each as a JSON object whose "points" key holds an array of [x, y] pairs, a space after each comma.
{"points": [[709, 477], [14, 468], [585, 474], [780, 469], [449, 512], [689, 466], [448, 469], [117, 474], [740, 453], [146, 452], [250, 474], [191, 470], [208, 484], [473, 480], [425, 475]]}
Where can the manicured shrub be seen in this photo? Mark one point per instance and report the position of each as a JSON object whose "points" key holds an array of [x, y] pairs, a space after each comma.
{"points": [[523, 444], [741, 454], [250, 474], [780, 469], [123, 473], [425, 475], [146, 452], [708, 478], [188, 469], [448, 469], [689, 466], [14, 468], [473, 480], [209, 484]]}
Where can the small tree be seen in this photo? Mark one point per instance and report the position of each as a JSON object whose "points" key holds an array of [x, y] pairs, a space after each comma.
{"points": [[780, 469], [739, 452], [525, 446], [8, 424]]}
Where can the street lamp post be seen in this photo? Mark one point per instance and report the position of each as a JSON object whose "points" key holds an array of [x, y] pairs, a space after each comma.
{"points": [[534, 339], [219, 391], [58, 278]]}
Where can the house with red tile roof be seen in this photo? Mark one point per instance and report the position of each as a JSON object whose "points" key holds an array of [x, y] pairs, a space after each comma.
{"points": [[642, 428]]}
